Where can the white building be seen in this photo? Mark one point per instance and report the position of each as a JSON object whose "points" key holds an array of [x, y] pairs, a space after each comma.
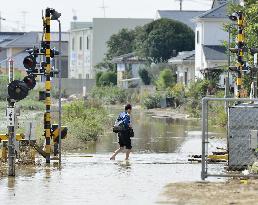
{"points": [[80, 50], [88, 41], [210, 54]]}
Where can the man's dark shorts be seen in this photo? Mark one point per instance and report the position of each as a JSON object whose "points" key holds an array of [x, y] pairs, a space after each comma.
{"points": [[124, 140]]}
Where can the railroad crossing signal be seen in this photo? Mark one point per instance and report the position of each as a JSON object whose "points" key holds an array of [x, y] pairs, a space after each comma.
{"points": [[19, 89], [239, 50]]}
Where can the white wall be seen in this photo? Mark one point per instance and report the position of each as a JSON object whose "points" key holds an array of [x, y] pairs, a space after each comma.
{"points": [[211, 32], [198, 49], [80, 62], [214, 33]]}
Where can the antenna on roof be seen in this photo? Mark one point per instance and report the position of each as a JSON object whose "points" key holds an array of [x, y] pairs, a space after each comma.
{"points": [[104, 7], [75, 17]]}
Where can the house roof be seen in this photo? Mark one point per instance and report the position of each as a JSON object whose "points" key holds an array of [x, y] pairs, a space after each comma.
{"points": [[30, 39], [218, 2], [182, 16], [217, 12], [26, 40], [6, 37], [128, 58], [184, 56], [214, 53]]}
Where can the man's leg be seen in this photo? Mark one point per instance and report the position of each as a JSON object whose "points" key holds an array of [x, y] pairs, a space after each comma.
{"points": [[116, 152], [127, 153]]}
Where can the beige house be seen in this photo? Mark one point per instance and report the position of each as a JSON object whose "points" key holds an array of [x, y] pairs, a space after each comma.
{"points": [[184, 63]]}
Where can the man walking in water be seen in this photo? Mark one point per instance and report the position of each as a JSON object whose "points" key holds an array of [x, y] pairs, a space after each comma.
{"points": [[124, 136]]}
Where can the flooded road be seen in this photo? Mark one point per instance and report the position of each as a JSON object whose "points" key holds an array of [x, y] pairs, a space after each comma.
{"points": [[161, 149]]}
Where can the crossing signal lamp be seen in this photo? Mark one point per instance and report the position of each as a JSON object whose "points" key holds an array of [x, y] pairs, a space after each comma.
{"points": [[30, 63], [30, 81], [54, 14], [17, 90], [233, 17]]}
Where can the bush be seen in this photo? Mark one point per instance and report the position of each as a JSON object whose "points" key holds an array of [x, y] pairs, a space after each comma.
{"points": [[144, 75], [108, 78], [98, 75], [195, 92], [31, 104], [166, 79], [84, 122], [3, 87], [109, 94], [177, 92], [198, 89], [152, 101]]}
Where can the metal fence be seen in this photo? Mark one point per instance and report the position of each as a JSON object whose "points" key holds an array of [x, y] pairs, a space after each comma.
{"points": [[232, 152]]}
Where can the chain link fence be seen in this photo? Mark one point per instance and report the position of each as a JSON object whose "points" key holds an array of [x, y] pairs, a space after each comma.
{"points": [[232, 152]]}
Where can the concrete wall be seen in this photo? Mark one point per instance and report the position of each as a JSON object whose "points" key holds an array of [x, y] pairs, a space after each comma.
{"points": [[75, 86], [104, 28]]}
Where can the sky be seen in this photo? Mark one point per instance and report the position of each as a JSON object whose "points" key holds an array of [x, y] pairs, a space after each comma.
{"points": [[15, 10]]}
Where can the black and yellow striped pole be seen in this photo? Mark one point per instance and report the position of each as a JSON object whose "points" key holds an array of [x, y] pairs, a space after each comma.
{"points": [[47, 115], [240, 53], [239, 50]]}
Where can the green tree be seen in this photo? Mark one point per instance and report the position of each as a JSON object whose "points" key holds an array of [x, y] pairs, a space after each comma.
{"points": [[166, 79], [144, 75], [121, 43], [159, 40], [107, 78]]}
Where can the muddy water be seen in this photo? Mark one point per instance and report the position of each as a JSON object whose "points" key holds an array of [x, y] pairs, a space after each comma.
{"points": [[161, 148]]}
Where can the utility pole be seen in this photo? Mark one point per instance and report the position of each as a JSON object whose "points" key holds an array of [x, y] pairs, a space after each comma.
{"points": [[24, 13], [11, 119], [181, 4]]}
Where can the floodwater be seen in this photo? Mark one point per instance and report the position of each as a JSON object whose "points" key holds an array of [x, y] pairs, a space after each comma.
{"points": [[160, 156]]}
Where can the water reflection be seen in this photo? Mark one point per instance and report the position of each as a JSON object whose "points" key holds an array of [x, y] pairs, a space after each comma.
{"points": [[152, 135], [11, 183], [124, 166]]}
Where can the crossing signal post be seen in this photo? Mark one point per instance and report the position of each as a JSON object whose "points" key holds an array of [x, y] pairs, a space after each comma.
{"points": [[239, 50], [19, 89], [50, 14]]}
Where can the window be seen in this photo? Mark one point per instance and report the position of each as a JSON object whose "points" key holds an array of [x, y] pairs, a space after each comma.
{"points": [[87, 43], [80, 43], [87, 76], [198, 37], [186, 78], [73, 44]]}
